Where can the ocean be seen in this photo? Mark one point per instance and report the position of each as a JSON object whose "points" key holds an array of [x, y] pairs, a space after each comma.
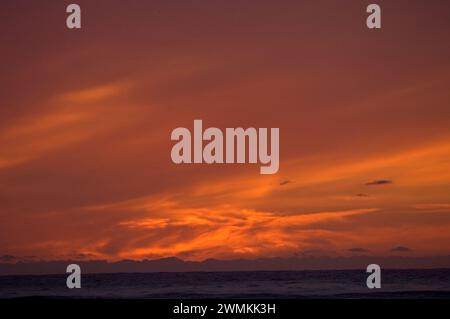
{"points": [[429, 283]]}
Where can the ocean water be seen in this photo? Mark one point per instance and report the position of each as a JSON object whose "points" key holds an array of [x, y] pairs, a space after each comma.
{"points": [[431, 283]]}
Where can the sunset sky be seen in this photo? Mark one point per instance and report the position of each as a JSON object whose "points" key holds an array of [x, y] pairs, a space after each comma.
{"points": [[86, 117]]}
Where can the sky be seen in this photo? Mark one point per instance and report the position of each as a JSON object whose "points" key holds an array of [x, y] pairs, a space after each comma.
{"points": [[86, 117]]}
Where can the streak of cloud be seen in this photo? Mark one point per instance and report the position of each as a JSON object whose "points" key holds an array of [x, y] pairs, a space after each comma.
{"points": [[401, 249], [358, 250], [379, 182]]}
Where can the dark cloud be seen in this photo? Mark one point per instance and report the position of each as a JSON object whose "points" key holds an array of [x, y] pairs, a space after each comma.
{"points": [[14, 259], [379, 182], [358, 250], [310, 252], [172, 264], [8, 258], [83, 256], [362, 195], [401, 249]]}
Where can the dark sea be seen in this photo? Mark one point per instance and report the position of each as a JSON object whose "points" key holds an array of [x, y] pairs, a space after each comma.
{"points": [[396, 284]]}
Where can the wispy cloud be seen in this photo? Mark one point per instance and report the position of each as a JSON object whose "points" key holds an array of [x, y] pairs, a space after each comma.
{"points": [[401, 249], [358, 250], [64, 121], [379, 182], [220, 230]]}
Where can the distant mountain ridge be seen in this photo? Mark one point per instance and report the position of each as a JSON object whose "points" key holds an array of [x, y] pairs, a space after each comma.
{"points": [[173, 264]]}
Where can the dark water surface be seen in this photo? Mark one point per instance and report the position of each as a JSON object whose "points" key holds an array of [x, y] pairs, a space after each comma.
{"points": [[430, 283]]}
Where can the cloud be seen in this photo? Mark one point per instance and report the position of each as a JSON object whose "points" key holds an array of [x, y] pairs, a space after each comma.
{"points": [[379, 182], [169, 229], [63, 122], [14, 259], [401, 249], [285, 182], [362, 195], [8, 258], [358, 250], [432, 206]]}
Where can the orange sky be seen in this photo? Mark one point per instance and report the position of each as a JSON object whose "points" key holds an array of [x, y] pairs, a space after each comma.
{"points": [[86, 117]]}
